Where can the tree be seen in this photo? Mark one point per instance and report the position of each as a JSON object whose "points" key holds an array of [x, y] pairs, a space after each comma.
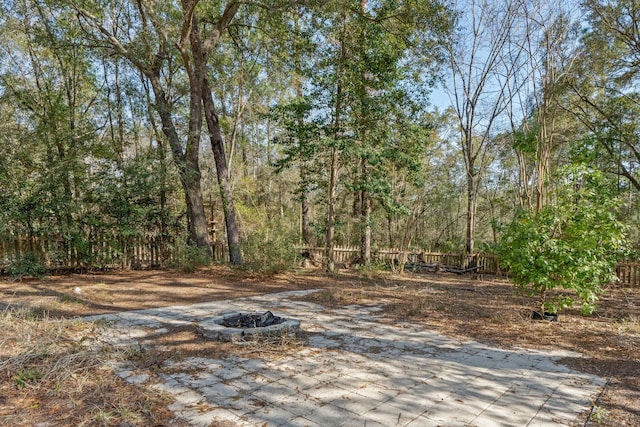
{"points": [[367, 100], [387, 119], [78, 165], [573, 243], [299, 134], [46, 77], [608, 101], [479, 85], [155, 49], [549, 57]]}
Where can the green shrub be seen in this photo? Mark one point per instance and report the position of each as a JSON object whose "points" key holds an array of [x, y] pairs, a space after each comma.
{"points": [[375, 267], [573, 243], [28, 265], [189, 258], [268, 253]]}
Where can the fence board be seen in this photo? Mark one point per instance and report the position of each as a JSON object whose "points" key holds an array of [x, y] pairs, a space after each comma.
{"points": [[629, 273]]}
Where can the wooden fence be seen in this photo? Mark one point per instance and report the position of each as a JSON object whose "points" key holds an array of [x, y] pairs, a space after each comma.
{"points": [[483, 263], [627, 272], [98, 252]]}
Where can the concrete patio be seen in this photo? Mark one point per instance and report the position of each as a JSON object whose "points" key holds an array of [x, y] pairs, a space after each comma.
{"points": [[357, 369]]}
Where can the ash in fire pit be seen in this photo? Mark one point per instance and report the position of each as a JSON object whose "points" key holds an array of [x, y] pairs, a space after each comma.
{"points": [[236, 326], [252, 320]]}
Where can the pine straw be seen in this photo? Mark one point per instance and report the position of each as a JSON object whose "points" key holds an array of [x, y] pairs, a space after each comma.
{"points": [[276, 346]]}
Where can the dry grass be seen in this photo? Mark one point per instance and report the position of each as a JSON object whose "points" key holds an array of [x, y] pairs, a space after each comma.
{"points": [[51, 350], [272, 347], [57, 369]]}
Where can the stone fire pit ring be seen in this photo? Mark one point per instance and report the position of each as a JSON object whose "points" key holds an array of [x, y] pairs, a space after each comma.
{"points": [[216, 327]]}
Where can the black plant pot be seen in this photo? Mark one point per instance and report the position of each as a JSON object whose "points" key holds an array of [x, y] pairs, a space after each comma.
{"points": [[552, 317]]}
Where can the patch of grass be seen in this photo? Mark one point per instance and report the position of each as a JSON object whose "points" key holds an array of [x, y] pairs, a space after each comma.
{"points": [[327, 296], [103, 417], [103, 323], [339, 296], [55, 349], [65, 297], [500, 319], [417, 306], [373, 270], [104, 295], [38, 312], [599, 415], [26, 376], [629, 324]]}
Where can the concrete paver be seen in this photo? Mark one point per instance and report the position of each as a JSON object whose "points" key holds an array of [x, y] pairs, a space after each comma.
{"points": [[357, 369]]}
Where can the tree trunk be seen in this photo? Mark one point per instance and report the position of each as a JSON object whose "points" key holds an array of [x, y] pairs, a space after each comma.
{"points": [[333, 181], [365, 248], [365, 217], [195, 208], [471, 213], [217, 145], [188, 168], [198, 226], [331, 209], [335, 156], [304, 208], [200, 85]]}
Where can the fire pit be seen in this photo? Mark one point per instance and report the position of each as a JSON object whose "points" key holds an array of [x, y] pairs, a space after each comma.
{"points": [[238, 326]]}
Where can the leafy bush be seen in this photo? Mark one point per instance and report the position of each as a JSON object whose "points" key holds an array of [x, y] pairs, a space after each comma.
{"points": [[29, 265], [375, 268], [573, 243], [268, 252], [189, 258]]}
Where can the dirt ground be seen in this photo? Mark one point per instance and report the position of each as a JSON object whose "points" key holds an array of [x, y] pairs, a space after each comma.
{"points": [[485, 309]]}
